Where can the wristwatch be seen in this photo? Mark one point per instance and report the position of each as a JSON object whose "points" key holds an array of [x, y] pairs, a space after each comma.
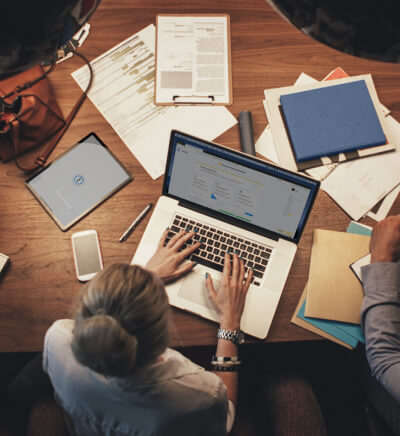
{"points": [[235, 336]]}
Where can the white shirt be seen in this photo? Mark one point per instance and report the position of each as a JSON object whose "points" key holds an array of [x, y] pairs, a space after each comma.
{"points": [[171, 397]]}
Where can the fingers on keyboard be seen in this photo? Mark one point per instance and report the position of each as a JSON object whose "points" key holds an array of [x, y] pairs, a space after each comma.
{"points": [[209, 246]]}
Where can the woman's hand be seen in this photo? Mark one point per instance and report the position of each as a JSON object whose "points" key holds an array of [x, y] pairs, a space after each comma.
{"points": [[166, 261], [231, 296]]}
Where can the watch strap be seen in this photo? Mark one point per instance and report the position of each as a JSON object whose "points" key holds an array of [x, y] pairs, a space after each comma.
{"points": [[229, 335]]}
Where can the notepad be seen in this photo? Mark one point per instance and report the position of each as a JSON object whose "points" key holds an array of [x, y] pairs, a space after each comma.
{"points": [[334, 293], [331, 120]]}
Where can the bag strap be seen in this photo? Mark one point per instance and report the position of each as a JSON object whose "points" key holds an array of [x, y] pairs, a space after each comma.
{"points": [[40, 161], [28, 84]]}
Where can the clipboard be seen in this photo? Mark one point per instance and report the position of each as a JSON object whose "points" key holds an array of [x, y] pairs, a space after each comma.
{"points": [[193, 60]]}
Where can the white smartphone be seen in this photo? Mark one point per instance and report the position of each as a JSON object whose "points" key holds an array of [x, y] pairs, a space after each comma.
{"points": [[87, 254]]}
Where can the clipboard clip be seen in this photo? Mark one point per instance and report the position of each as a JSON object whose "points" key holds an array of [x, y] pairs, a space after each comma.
{"points": [[193, 99]]}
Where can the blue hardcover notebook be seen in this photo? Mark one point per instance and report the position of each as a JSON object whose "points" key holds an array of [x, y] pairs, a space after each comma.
{"points": [[331, 120]]}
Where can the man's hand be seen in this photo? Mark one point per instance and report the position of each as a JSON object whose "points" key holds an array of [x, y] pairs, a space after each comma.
{"points": [[385, 240], [166, 261], [231, 296]]}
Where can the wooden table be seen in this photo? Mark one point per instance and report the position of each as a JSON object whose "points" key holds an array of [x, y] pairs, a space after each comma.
{"points": [[40, 285]]}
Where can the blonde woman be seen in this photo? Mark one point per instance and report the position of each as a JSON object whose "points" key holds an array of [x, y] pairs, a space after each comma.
{"points": [[112, 370]]}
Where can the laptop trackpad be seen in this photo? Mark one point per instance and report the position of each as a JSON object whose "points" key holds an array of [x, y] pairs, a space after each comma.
{"points": [[194, 289]]}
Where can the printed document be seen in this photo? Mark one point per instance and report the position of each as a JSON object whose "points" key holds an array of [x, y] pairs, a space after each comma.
{"points": [[370, 178], [123, 91], [193, 59]]}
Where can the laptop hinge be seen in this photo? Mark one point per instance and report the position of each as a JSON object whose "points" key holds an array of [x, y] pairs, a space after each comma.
{"points": [[230, 220]]}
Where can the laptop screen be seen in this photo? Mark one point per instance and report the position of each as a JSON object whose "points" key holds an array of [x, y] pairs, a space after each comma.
{"points": [[242, 190]]}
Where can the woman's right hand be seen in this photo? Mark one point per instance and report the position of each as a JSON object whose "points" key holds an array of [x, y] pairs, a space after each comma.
{"points": [[230, 298], [168, 262]]}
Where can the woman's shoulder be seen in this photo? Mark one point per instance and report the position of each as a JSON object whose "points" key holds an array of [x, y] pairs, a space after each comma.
{"points": [[192, 377], [57, 345], [61, 327], [60, 332]]}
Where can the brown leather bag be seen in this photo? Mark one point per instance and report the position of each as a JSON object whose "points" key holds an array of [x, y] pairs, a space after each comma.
{"points": [[30, 115]]}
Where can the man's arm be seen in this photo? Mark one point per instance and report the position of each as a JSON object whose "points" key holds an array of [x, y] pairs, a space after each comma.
{"points": [[380, 313], [380, 317]]}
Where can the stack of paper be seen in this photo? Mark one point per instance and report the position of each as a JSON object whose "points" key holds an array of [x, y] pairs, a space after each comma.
{"points": [[368, 185], [273, 108], [123, 91], [331, 302], [330, 120]]}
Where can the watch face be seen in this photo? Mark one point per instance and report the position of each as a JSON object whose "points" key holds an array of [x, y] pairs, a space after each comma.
{"points": [[240, 337]]}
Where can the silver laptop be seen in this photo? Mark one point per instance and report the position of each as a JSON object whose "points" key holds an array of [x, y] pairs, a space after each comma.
{"points": [[233, 202]]}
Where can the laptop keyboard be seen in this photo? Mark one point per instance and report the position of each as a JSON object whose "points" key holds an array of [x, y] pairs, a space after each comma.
{"points": [[216, 242]]}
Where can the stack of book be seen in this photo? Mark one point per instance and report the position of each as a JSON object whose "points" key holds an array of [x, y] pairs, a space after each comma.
{"points": [[331, 121], [325, 128], [331, 302]]}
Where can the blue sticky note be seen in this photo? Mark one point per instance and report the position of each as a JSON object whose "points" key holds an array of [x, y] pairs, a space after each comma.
{"points": [[329, 327], [358, 229], [331, 120]]}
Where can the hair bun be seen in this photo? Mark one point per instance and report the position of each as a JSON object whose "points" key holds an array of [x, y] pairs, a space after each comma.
{"points": [[114, 354], [123, 306]]}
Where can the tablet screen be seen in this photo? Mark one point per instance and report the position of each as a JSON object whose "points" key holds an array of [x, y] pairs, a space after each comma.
{"points": [[79, 180]]}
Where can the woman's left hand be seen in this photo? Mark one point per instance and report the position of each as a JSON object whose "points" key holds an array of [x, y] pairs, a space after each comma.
{"points": [[166, 262]]}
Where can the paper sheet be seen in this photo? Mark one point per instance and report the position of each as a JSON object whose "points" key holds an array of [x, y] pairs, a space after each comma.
{"points": [[370, 179], [381, 210], [265, 146], [193, 59], [123, 92]]}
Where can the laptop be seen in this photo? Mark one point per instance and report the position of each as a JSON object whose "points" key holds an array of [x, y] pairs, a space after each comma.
{"points": [[232, 201]]}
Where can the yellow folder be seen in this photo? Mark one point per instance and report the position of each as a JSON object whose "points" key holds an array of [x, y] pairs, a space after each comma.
{"points": [[334, 292], [305, 325]]}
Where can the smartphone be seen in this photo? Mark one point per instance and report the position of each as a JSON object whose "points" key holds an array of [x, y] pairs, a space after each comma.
{"points": [[87, 254]]}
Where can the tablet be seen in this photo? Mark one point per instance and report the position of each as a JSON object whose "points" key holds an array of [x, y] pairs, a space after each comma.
{"points": [[78, 181]]}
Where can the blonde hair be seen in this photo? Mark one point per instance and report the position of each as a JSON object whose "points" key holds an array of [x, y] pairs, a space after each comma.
{"points": [[121, 320]]}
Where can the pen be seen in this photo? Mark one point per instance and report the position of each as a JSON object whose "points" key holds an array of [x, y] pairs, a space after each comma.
{"points": [[136, 221]]}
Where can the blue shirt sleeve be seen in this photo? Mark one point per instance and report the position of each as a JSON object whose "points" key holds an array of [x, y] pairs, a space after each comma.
{"points": [[380, 319]]}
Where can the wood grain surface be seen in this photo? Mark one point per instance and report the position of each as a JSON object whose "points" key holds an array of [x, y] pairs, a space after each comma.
{"points": [[40, 285]]}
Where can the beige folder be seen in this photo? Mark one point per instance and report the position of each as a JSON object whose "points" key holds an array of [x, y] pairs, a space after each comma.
{"points": [[305, 325], [334, 292]]}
